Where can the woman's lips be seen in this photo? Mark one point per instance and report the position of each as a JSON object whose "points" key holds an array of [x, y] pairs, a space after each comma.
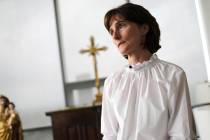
{"points": [[120, 43]]}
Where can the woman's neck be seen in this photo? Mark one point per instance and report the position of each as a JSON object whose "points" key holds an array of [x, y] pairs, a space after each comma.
{"points": [[139, 57]]}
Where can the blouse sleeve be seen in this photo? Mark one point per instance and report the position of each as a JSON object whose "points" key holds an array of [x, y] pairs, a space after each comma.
{"points": [[181, 123], [109, 124]]}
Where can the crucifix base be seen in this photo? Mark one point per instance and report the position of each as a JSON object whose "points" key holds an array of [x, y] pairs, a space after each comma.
{"points": [[98, 99]]}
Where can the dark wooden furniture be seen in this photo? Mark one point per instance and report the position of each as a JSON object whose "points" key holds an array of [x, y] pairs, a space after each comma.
{"points": [[76, 124]]}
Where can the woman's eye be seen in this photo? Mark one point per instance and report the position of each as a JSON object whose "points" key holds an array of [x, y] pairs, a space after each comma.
{"points": [[121, 25]]}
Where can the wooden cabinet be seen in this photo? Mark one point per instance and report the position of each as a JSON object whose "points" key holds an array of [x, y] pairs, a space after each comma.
{"points": [[76, 124]]}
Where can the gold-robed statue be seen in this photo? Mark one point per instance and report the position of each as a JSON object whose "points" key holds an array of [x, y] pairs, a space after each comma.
{"points": [[10, 125], [93, 50]]}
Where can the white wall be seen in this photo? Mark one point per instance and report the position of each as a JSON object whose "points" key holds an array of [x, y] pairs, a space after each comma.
{"points": [[30, 73], [79, 20]]}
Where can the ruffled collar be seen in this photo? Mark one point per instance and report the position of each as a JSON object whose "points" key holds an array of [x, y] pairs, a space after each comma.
{"points": [[142, 65]]}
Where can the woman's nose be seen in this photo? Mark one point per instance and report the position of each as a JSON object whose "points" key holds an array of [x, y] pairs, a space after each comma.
{"points": [[116, 35]]}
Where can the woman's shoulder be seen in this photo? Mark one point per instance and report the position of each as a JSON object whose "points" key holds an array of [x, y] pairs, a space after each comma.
{"points": [[169, 66], [168, 71]]}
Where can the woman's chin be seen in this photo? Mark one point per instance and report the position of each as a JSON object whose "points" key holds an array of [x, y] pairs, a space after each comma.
{"points": [[123, 51]]}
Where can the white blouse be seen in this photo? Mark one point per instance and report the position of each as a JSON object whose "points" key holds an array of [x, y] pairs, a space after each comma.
{"points": [[149, 101]]}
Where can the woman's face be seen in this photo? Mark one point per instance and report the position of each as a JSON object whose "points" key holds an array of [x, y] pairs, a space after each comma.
{"points": [[127, 36]]}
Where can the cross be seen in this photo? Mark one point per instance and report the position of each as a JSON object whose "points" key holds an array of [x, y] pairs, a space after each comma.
{"points": [[93, 50]]}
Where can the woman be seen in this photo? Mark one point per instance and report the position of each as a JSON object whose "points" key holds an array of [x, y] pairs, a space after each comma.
{"points": [[149, 98]]}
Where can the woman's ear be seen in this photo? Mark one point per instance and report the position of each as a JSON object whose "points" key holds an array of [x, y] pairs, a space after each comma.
{"points": [[144, 29]]}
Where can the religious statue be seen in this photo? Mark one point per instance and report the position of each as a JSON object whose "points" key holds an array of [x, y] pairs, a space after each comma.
{"points": [[10, 125], [93, 50]]}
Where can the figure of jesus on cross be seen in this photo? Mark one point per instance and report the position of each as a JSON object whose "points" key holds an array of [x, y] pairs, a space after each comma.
{"points": [[93, 50]]}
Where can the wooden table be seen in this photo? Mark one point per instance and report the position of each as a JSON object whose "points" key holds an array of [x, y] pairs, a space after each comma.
{"points": [[76, 123]]}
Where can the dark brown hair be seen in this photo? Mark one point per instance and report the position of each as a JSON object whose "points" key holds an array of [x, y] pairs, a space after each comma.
{"points": [[139, 15]]}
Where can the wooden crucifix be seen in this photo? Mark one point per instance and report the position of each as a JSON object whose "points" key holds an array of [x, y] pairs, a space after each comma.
{"points": [[93, 50]]}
